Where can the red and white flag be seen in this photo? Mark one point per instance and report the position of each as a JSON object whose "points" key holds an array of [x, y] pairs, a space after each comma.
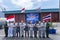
{"points": [[47, 18], [23, 10], [10, 18]]}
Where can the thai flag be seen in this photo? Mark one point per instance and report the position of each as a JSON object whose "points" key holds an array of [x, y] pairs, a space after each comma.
{"points": [[10, 18], [23, 10], [47, 18]]}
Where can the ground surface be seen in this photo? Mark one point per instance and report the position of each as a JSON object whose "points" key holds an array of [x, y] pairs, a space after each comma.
{"points": [[52, 36]]}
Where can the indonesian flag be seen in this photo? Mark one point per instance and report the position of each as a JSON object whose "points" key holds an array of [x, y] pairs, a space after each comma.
{"points": [[47, 18], [23, 10], [10, 18]]}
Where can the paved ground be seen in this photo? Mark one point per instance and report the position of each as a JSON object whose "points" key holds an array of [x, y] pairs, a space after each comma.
{"points": [[52, 36], [27, 39]]}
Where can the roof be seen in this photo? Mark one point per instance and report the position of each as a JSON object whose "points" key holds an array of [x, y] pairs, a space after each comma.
{"points": [[31, 11]]}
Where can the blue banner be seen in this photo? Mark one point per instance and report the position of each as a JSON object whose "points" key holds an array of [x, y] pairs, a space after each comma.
{"points": [[32, 17]]}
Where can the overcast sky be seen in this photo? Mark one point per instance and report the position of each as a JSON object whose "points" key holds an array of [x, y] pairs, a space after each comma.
{"points": [[28, 4]]}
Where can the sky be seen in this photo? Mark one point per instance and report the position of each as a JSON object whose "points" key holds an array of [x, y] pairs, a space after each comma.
{"points": [[28, 4]]}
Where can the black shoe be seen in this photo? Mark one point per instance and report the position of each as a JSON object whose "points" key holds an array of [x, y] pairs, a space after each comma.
{"points": [[39, 36], [47, 37], [35, 37], [43, 36], [31, 37], [22, 36], [13, 36], [5, 36]]}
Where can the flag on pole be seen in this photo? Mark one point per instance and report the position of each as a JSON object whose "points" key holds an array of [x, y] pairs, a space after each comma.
{"points": [[23, 10], [4, 9], [47, 18], [38, 9], [10, 18]]}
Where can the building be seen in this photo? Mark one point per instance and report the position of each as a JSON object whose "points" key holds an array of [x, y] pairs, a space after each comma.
{"points": [[40, 14]]}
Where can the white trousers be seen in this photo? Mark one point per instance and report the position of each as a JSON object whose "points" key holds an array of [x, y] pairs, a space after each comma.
{"points": [[10, 32]]}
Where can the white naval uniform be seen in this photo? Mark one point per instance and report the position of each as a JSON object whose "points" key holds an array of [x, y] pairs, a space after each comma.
{"points": [[43, 29], [14, 29], [31, 30], [22, 26], [10, 30], [39, 29]]}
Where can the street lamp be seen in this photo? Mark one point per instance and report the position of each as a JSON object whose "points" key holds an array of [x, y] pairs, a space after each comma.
{"points": [[2, 12], [2, 18]]}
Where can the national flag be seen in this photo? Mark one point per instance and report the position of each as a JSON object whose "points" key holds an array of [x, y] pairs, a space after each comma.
{"points": [[23, 10], [4, 9], [10, 18], [38, 9], [47, 18]]}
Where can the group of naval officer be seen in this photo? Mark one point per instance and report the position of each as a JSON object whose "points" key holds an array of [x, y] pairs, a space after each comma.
{"points": [[22, 29]]}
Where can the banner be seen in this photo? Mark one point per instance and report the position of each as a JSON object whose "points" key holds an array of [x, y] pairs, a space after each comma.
{"points": [[32, 17]]}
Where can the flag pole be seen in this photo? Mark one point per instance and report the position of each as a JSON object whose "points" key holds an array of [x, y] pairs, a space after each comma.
{"points": [[14, 18], [39, 11], [51, 19]]}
